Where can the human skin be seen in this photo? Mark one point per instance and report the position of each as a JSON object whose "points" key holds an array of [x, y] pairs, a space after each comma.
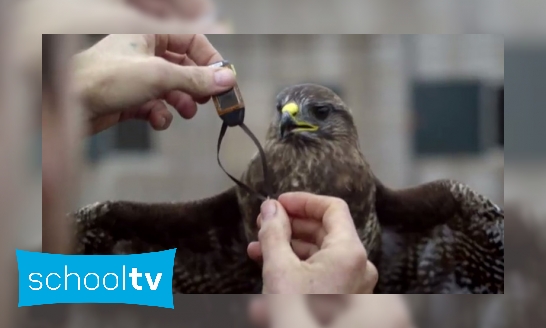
{"points": [[313, 311], [132, 76], [308, 245]]}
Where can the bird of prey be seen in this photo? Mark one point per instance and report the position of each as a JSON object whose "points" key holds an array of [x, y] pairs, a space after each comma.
{"points": [[439, 237]]}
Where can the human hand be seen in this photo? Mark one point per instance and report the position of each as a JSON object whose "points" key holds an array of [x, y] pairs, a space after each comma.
{"points": [[306, 310], [325, 256], [128, 76], [311, 311], [37, 17], [186, 9]]}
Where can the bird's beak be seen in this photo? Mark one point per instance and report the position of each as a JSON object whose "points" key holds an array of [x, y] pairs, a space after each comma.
{"points": [[290, 123]]}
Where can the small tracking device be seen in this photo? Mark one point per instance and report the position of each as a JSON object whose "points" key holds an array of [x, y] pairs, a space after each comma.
{"points": [[229, 104], [231, 109]]}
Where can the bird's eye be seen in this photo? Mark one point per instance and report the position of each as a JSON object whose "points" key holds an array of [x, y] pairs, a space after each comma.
{"points": [[321, 112]]}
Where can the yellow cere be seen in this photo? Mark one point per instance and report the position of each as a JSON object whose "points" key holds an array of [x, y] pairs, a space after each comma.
{"points": [[292, 109], [233, 69]]}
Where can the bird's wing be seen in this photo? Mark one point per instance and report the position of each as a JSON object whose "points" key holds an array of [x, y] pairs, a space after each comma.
{"points": [[211, 251], [440, 237]]}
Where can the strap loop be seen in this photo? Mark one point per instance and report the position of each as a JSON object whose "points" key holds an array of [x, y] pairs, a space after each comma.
{"points": [[267, 182]]}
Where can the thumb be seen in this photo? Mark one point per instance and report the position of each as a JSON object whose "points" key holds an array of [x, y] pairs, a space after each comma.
{"points": [[274, 235], [197, 81]]}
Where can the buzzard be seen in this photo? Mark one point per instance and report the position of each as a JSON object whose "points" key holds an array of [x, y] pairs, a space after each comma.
{"points": [[439, 237]]}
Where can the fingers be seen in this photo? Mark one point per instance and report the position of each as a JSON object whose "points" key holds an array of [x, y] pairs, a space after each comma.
{"points": [[302, 249], [160, 118], [201, 99], [183, 103], [258, 311], [104, 122], [196, 46], [332, 212], [307, 236], [389, 311], [254, 251], [155, 112], [290, 311], [184, 60], [178, 59], [100, 16], [197, 81], [370, 278], [159, 9], [274, 236], [324, 308], [304, 229], [327, 308], [308, 230]]}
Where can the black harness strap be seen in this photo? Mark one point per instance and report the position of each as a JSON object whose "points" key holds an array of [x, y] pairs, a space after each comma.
{"points": [[267, 182]]}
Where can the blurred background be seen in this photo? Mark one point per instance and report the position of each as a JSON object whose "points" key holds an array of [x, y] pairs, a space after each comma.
{"points": [[426, 107], [384, 16]]}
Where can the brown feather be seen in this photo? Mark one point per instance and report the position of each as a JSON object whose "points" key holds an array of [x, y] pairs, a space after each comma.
{"points": [[326, 162], [211, 253], [440, 237]]}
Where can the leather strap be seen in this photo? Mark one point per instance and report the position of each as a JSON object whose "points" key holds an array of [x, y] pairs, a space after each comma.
{"points": [[267, 182]]}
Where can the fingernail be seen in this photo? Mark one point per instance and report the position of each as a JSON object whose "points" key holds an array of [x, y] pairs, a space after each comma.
{"points": [[162, 122], [268, 209], [224, 77]]}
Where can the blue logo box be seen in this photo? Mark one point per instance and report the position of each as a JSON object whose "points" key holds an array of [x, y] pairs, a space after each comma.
{"points": [[141, 279]]}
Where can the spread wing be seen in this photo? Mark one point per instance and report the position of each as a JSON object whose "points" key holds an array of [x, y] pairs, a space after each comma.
{"points": [[440, 237], [211, 251]]}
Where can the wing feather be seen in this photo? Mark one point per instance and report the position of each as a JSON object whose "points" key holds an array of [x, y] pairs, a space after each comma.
{"points": [[440, 237], [211, 249]]}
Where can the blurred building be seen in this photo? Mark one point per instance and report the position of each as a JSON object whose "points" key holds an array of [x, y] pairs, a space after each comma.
{"points": [[525, 174], [425, 108], [384, 16]]}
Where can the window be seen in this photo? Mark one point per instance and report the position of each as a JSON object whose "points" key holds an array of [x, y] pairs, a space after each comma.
{"points": [[127, 137], [526, 66], [132, 136], [448, 117]]}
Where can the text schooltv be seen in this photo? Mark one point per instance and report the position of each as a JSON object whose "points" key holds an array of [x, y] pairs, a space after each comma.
{"points": [[142, 279]]}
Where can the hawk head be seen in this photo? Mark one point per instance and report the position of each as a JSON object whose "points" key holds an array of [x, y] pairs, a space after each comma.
{"points": [[310, 112]]}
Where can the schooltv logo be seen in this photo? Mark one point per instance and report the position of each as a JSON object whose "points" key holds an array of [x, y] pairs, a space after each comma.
{"points": [[141, 279]]}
